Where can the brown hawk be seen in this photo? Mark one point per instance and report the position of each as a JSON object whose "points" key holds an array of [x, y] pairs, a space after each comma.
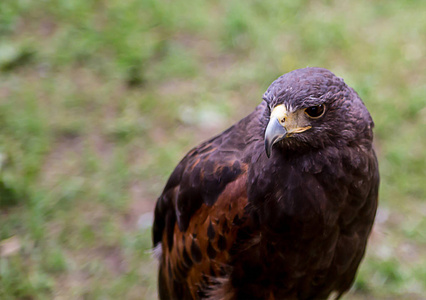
{"points": [[280, 205]]}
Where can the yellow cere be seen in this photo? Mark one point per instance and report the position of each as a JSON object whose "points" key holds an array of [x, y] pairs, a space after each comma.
{"points": [[294, 122]]}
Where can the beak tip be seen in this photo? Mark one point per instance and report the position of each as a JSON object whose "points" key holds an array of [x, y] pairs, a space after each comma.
{"points": [[267, 148], [268, 153]]}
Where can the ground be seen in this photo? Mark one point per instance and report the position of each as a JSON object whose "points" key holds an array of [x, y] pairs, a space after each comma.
{"points": [[100, 99]]}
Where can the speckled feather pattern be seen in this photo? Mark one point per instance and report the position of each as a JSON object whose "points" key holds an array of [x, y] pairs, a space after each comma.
{"points": [[233, 224]]}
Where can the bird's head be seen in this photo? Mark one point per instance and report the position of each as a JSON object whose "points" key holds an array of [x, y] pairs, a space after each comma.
{"points": [[313, 108]]}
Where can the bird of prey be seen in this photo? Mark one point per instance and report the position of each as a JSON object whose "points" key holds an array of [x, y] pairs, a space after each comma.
{"points": [[278, 206]]}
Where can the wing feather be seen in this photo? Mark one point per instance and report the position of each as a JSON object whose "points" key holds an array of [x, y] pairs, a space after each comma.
{"points": [[201, 208]]}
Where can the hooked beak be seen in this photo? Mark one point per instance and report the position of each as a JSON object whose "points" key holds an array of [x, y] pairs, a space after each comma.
{"points": [[274, 132], [284, 124]]}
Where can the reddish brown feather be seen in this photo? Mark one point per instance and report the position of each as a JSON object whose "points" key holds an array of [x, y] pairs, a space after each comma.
{"points": [[220, 216]]}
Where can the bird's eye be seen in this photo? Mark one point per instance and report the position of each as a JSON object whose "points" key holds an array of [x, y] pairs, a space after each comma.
{"points": [[315, 112]]}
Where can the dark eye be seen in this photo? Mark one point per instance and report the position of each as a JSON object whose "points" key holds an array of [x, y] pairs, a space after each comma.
{"points": [[315, 111]]}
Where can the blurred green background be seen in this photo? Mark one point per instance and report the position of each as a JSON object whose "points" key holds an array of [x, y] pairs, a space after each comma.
{"points": [[100, 99]]}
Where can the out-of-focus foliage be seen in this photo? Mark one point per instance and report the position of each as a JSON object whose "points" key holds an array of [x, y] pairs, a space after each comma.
{"points": [[100, 99]]}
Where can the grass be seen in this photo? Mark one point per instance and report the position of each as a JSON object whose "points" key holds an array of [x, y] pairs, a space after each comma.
{"points": [[100, 99]]}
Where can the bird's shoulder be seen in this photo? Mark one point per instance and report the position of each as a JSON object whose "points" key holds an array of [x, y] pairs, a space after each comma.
{"points": [[198, 215], [203, 174]]}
